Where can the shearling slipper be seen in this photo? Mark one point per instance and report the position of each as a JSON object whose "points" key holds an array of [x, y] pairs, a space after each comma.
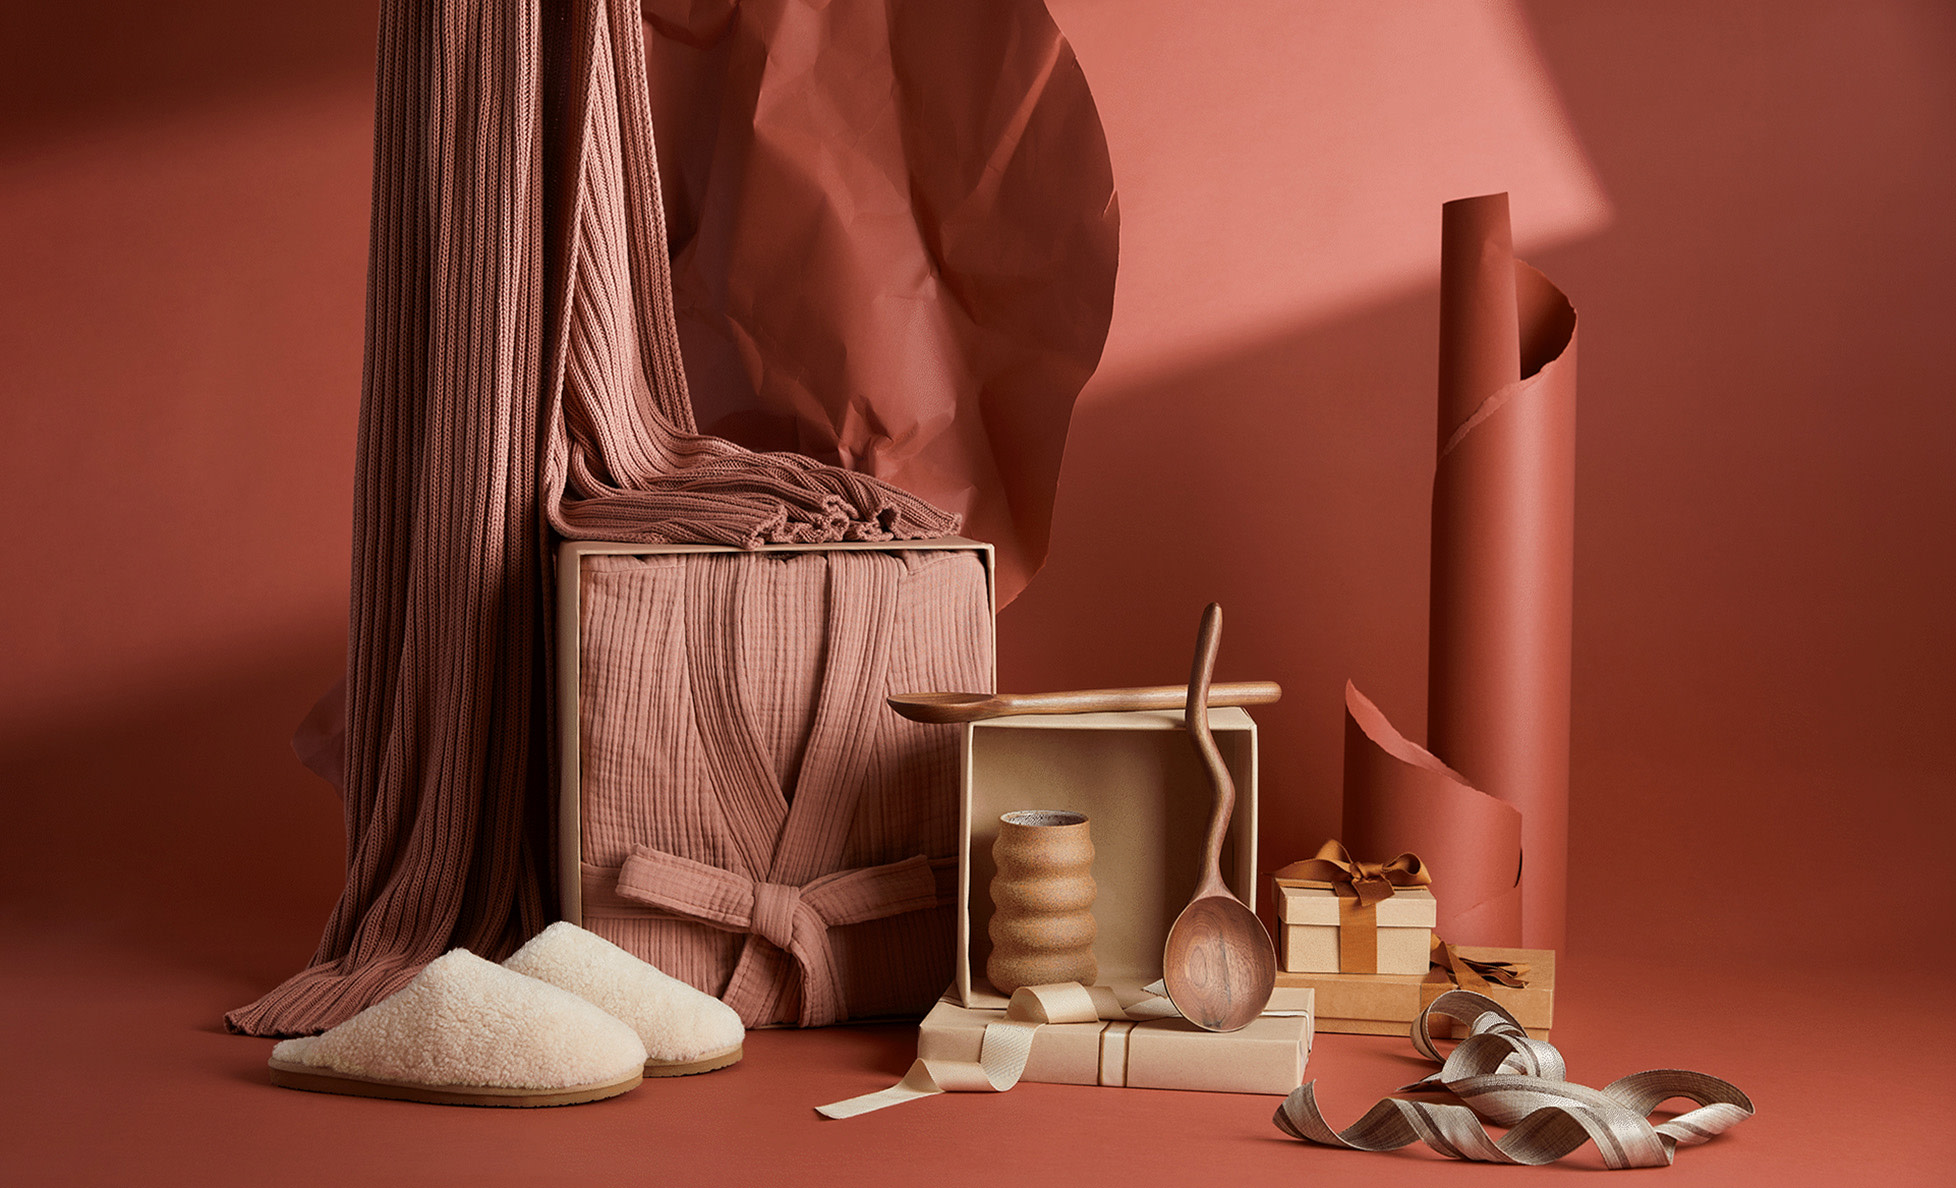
{"points": [[685, 1030], [468, 1032]]}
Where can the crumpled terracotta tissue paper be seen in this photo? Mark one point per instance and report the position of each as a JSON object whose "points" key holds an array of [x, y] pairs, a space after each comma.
{"points": [[894, 238]]}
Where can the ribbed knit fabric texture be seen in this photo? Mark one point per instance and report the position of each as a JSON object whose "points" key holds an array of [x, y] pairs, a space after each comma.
{"points": [[522, 370], [751, 823]]}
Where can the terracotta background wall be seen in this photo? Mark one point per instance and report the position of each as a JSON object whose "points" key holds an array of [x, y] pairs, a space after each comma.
{"points": [[1748, 202]]}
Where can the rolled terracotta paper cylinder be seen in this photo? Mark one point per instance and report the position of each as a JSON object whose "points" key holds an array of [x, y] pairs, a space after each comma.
{"points": [[1042, 924], [1504, 497], [1486, 801]]}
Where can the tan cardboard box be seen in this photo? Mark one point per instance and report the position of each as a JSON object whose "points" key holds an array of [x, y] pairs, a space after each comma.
{"points": [[1268, 1056], [1310, 917], [1387, 1004], [1137, 779], [1533, 1005]]}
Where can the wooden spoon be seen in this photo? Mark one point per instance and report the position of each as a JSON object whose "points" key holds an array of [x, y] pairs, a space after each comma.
{"points": [[971, 707], [1218, 964]]}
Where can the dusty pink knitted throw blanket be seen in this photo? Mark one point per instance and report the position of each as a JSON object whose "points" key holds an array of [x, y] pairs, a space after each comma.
{"points": [[522, 371]]}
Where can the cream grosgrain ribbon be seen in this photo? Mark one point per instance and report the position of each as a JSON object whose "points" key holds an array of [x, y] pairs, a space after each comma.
{"points": [[1520, 1083], [1007, 1044]]}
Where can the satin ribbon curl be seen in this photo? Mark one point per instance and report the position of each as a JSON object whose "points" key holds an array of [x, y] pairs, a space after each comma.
{"points": [[1510, 1080]]}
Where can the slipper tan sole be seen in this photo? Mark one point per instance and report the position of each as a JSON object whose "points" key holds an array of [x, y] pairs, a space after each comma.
{"points": [[686, 1068], [288, 1075]]}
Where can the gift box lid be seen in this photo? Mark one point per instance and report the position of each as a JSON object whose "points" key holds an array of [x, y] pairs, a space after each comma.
{"points": [[1409, 907]]}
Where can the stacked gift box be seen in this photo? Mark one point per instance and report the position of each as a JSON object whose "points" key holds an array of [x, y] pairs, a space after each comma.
{"points": [[1356, 940], [1267, 1056]]}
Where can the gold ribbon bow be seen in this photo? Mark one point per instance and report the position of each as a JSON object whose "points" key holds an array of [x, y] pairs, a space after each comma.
{"points": [[1368, 882], [1471, 974]]}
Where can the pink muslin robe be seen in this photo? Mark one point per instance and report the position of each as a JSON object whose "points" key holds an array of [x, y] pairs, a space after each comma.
{"points": [[755, 820]]}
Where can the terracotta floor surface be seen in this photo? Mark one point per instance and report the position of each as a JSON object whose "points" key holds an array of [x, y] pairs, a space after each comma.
{"points": [[117, 1070]]}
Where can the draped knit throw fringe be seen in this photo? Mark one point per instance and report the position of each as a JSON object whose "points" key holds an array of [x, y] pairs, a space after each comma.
{"points": [[522, 378]]}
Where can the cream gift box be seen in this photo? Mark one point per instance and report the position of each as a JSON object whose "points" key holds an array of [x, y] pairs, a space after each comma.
{"points": [[1268, 1056], [1387, 1004], [1310, 915], [1137, 779]]}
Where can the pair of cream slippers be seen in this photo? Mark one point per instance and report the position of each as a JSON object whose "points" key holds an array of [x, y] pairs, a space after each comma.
{"points": [[570, 1018]]}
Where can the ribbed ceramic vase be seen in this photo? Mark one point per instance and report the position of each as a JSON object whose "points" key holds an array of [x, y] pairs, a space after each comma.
{"points": [[1042, 901]]}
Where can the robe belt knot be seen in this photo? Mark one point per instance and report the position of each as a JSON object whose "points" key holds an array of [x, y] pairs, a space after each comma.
{"points": [[793, 919], [775, 908]]}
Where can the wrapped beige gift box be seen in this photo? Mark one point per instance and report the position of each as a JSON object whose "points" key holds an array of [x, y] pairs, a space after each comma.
{"points": [[1268, 1056]]}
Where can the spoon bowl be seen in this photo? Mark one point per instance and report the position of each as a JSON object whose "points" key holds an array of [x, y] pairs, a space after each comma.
{"points": [[1223, 976]]}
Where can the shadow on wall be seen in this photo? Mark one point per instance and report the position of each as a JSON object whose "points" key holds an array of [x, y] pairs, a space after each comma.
{"points": [[117, 62], [1764, 655], [180, 821], [1289, 482], [184, 207], [1285, 167]]}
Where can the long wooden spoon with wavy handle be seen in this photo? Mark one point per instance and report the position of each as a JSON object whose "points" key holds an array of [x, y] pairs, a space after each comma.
{"points": [[972, 707], [1218, 964]]}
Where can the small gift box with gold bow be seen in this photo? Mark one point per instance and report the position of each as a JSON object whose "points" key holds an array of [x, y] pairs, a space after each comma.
{"points": [[1341, 915]]}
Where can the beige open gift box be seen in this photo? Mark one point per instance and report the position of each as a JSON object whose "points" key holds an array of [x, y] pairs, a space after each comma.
{"points": [[1268, 1056], [1310, 917], [1137, 779]]}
